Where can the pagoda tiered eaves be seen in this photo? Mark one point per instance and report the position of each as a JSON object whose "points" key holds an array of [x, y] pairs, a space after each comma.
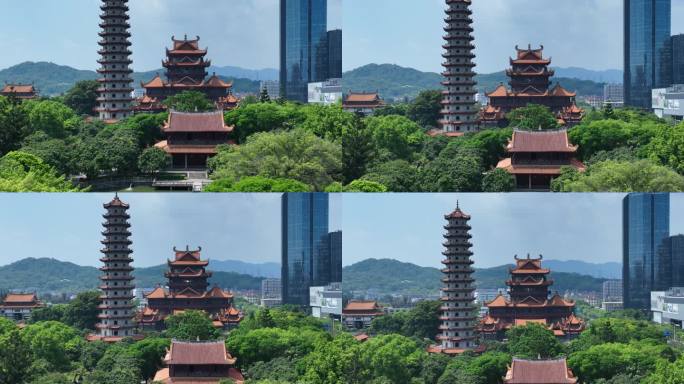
{"points": [[114, 100], [116, 309], [459, 108], [457, 312]]}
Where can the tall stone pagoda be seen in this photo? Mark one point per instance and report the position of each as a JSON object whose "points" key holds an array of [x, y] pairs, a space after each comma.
{"points": [[530, 301], [114, 101], [460, 111], [188, 289], [186, 70], [530, 83], [117, 309], [458, 318]]}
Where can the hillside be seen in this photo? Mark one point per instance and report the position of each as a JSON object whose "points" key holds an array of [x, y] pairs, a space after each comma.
{"points": [[52, 79], [50, 275], [386, 277], [253, 269], [396, 83]]}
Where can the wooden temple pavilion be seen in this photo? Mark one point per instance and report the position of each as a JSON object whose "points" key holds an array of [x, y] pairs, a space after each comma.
{"points": [[530, 84], [359, 314], [186, 70], [188, 289], [363, 103], [20, 91], [536, 158], [19, 306], [192, 138], [198, 362], [530, 302]]}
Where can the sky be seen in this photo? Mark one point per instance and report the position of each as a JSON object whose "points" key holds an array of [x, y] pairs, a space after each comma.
{"points": [[579, 33], [67, 227], [242, 33], [409, 227]]}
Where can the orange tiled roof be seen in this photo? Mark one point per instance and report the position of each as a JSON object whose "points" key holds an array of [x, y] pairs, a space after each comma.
{"points": [[18, 88], [539, 372], [196, 122], [540, 141]]}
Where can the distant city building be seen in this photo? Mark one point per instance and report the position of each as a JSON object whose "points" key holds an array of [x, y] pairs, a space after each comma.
{"points": [[305, 260], [536, 158], [326, 301], [530, 84], [669, 102], [186, 70], [530, 302], [360, 314], [648, 60], [678, 59], [19, 91], [610, 306], [335, 54], [115, 91], [596, 102], [19, 306], [198, 362], [645, 225], [670, 262], [459, 107], [612, 291], [614, 94], [667, 306], [326, 93], [539, 371], [188, 289], [192, 138], [272, 88], [303, 46], [116, 309], [335, 248], [362, 103], [271, 292]]}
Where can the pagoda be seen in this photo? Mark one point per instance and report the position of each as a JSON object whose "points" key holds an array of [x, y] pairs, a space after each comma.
{"points": [[186, 70], [530, 301], [114, 101], [457, 313], [188, 289], [530, 83], [460, 110], [117, 309]]}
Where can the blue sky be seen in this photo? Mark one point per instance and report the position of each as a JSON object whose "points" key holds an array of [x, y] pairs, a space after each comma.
{"points": [[242, 33], [583, 33], [408, 227], [67, 227]]}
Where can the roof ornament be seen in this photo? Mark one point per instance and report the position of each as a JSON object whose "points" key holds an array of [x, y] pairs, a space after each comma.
{"points": [[528, 256], [541, 257], [516, 257]]}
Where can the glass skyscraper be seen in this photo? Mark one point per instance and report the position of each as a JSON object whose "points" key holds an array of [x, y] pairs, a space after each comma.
{"points": [[678, 59], [303, 46], [335, 54], [648, 56], [304, 237], [645, 227]]}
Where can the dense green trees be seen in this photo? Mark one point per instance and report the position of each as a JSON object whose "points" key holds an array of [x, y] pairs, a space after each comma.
{"points": [[533, 116], [82, 97], [613, 176], [189, 101], [533, 341], [23, 172], [295, 154], [191, 326], [153, 160]]}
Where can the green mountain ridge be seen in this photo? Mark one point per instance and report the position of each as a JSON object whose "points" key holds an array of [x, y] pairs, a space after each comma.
{"points": [[53, 276], [52, 79], [387, 277], [397, 83]]}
